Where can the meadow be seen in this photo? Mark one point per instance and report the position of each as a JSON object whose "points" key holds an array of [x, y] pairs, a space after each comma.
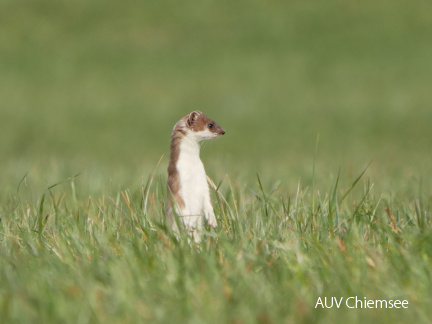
{"points": [[323, 175]]}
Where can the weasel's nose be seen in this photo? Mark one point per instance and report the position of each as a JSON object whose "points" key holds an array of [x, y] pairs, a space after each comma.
{"points": [[223, 132]]}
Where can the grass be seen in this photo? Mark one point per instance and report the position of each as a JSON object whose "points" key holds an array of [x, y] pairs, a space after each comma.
{"points": [[308, 92], [111, 259]]}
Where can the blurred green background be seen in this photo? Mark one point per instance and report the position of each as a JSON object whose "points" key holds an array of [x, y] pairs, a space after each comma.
{"points": [[95, 87]]}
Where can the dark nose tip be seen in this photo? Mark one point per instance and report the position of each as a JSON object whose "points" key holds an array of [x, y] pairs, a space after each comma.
{"points": [[223, 132]]}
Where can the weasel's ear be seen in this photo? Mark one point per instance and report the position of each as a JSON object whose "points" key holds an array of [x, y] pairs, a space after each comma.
{"points": [[193, 116]]}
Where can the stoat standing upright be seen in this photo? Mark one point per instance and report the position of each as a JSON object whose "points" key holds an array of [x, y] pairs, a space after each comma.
{"points": [[187, 180]]}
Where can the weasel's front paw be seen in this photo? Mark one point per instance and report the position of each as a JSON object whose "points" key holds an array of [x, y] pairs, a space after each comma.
{"points": [[212, 221]]}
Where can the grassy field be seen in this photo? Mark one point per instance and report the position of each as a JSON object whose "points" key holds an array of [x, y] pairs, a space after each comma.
{"points": [[324, 172]]}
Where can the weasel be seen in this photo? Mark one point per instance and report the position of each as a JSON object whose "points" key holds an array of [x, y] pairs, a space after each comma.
{"points": [[187, 180]]}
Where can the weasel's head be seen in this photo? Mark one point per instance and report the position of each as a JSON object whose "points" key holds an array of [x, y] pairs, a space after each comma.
{"points": [[202, 127]]}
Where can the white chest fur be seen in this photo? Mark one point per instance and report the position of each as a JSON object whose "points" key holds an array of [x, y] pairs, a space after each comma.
{"points": [[194, 189]]}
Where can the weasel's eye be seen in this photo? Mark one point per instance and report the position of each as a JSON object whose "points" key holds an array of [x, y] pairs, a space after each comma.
{"points": [[210, 125]]}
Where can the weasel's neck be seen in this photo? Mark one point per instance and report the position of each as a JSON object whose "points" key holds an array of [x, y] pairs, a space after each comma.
{"points": [[190, 147]]}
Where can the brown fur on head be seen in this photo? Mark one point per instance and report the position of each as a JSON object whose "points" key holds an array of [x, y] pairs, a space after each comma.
{"points": [[198, 122]]}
